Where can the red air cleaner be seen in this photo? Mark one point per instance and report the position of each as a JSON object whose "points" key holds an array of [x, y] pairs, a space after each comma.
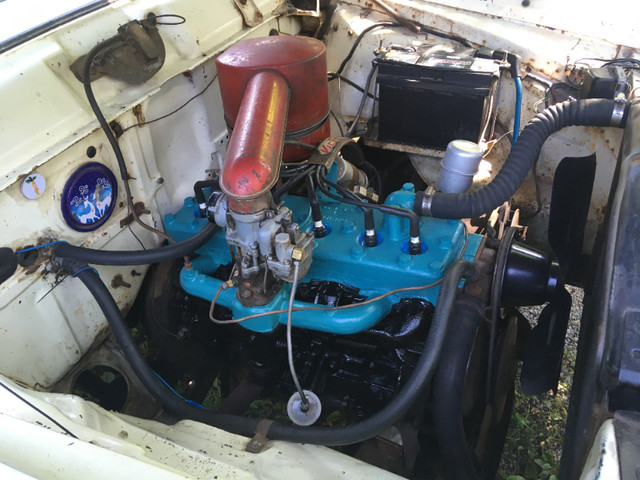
{"points": [[272, 88]]}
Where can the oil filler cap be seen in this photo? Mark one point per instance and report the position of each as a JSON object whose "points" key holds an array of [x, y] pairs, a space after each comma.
{"points": [[88, 198]]}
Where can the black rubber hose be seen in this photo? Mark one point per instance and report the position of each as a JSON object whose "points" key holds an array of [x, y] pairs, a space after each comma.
{"points": [[200, 185], [279, 192], [448, 391], [198, 190], [88, 90], [591, 112], [416, 386], [169, 400], [8, 263], [136, 257], [316, 212]]}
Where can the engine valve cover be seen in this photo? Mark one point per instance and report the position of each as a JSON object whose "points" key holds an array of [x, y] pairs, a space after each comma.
{"points": [[340, 256]]}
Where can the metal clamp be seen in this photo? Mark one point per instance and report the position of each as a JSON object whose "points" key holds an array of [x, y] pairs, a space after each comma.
{"points": [[259, 440], [422, 202], [617, 116], [250, 12]]}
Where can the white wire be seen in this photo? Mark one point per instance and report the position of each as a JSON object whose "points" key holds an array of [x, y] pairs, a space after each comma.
{"points": [[294, 286]]}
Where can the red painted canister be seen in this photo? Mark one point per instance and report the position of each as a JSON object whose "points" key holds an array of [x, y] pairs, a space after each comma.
{"points": [[302, 62]]}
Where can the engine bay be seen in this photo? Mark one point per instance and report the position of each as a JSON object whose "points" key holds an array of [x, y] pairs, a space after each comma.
{"points": [[312, 226]]}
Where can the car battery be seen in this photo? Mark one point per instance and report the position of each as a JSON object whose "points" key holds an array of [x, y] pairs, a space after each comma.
{"points": [[432, 94]]}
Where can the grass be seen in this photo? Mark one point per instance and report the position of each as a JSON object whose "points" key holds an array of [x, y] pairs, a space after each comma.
{"points": [[536, 431], [534, 439]]}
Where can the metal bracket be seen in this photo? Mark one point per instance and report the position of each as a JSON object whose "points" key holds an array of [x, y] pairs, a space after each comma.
{"points": [[250, 12], [288, 9], [326, 153], [259, 440]]}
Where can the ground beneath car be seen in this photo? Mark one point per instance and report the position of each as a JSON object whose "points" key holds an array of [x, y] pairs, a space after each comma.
{"points": [[534, 439]]}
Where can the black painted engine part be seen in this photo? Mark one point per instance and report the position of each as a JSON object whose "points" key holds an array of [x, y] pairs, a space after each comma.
{"points": [[355, 375], [530, 276]]}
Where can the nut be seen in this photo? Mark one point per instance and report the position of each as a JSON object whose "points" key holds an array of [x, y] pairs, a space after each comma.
{"points": [[297, 254]]}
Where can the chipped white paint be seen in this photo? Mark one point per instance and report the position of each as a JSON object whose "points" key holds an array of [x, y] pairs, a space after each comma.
{"points": [[602, 463], [113, 446]]}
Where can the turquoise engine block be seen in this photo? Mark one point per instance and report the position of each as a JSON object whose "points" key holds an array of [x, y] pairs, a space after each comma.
{"points": [[341, 257]]}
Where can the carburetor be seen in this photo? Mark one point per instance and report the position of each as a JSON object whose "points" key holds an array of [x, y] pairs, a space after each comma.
{"points": [[266, 245], [272, 88]]}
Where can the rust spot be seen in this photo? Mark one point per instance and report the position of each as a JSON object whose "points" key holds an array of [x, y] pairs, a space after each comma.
{"points": [[137, 111], [117, 129], [118, 281], [33, 260], [139, 208], [135, 273]]}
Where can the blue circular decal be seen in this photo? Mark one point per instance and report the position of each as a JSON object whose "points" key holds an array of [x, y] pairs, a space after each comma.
{"points": [[89, 197]]}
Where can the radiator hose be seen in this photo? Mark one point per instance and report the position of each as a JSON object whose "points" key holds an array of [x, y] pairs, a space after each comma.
{"points": [[136, 257], [590, 112], [416, 386]]}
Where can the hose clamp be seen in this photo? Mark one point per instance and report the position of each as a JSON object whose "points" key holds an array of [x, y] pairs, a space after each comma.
{"points": [[422, 202], [620, 104]]}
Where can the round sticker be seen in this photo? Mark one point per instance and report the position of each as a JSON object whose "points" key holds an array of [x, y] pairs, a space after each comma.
{"points": [[33, 186], [89, 197]]}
